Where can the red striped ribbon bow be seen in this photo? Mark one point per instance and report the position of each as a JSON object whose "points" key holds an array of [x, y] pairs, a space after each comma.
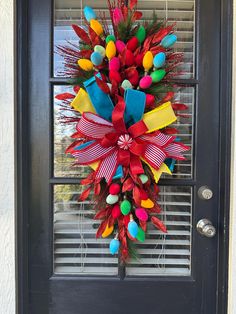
{"points": [[114, 144]]}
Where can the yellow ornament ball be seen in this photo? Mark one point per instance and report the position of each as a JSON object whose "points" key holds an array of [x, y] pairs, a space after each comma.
{"points": [[108, 230], [96, 26], [147, 203], [110, 50], [148, 61], [85, 64]]}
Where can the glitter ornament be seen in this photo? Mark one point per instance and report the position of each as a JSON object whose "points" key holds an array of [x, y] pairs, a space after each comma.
{"points": [[110, 38], [89, 14], [112, 199], [100, 49], [110, 50], [116, 212], [158, 75], [108, 230], [96, 26], [141, 214], [114, 246], [132, 44], [147, 203], [143, 178], [145, 82], [114, 189], [125, 207], [85, 64], [114, 64], [148, 61], [159, 60], [96, 58]]}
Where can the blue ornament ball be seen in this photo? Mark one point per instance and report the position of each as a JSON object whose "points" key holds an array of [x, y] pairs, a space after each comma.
{"points": [[168, 41], [89, 14], [114, 246], [159, 60], [96, 58], [133, 228]]}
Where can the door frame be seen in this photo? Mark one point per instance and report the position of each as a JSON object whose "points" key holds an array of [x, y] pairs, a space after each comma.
{"points": [[22, 152]]}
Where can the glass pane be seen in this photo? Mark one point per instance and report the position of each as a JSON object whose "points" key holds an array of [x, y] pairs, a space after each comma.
{"points": [[167, 254], [63, 163], [181, 13], [76, 249]]}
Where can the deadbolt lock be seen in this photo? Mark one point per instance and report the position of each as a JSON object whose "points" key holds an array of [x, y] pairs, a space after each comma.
{"points": [[205, 193]]}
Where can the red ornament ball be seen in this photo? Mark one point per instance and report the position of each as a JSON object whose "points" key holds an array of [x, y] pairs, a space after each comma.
{"points": [[133, 76], [116, 211], [114, 75], [143, 195], [129, 58], [126, 220], [114, 189], [150, 100], [139, 60], [132, 44]]}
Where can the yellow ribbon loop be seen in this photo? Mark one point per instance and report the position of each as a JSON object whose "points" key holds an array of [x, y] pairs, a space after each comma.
{"points": [[94, 165], [157, 173], [160, 117], [82, 102]]}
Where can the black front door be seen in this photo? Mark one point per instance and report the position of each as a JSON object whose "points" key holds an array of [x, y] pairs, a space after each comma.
{"points": [[70, 272]]}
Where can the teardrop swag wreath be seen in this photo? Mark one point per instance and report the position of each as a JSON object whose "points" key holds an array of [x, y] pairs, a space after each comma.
{"points": [[123, 112]]}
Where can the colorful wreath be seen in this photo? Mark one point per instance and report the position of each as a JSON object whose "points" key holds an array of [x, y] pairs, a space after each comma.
{"points": [[123, 76]]}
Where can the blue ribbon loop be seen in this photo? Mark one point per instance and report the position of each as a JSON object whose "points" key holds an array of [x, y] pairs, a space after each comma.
{"points": [[135, 105], [100, 100]]}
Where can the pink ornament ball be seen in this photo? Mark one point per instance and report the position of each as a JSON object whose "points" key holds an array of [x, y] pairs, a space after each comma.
{"points": [[114, 189], [120, 45], [150, 100], [132, 44], [114, 75], [116, 211], [141, 214], [114, 64], [145, 82]]}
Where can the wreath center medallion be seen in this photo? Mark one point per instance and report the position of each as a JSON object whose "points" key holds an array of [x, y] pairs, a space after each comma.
{"points": [[124, 141]]}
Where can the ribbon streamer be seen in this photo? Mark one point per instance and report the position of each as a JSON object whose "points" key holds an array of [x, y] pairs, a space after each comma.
{"points": [[160, 117], [82, 102]]}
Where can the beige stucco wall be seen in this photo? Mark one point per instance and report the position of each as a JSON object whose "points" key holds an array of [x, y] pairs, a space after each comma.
{"points": [[7, 235]]}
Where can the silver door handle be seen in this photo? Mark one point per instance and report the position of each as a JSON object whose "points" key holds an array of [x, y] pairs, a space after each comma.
{"points": [[205, 227]]}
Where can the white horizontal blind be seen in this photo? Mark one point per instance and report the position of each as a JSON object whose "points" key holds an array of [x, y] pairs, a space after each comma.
{"points": [[180, 12], [76, 249], [167, 254]]}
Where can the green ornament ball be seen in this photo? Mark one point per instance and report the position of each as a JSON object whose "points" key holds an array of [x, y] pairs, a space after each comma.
{"points": [[112, 199], [100, 49], [141, 235], [125, 207], [158, 75], [143, 178], [126, 84], [141, 34], [110, 38]]}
